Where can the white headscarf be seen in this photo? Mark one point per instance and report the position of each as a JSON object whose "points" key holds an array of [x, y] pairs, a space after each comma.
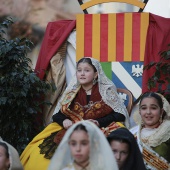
{"points": [[15, 163], [107, 90], [101, 156]]}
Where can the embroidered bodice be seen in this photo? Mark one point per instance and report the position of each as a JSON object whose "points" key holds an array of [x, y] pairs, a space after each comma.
{"points": [[92, 110]]}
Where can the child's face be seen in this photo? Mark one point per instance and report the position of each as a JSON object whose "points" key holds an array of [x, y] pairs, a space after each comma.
{"points": [[150, 112], [80, 146], [85, 74], [4, 161], [121, 152]]}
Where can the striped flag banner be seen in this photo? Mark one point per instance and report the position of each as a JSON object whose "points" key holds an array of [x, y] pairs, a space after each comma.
{"points": [[111, 37]]}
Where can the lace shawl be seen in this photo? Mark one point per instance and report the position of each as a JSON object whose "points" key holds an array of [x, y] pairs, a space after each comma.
{"points": [[160, 135]]}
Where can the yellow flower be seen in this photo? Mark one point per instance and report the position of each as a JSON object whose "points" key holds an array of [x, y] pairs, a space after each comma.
{"points": [[81, 114], [97, 105], [76, 107]]}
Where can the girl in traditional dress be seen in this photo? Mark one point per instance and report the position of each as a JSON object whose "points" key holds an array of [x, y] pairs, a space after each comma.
{"points": [[153, 131], [84, 147], [126, 150], [89, 96]]}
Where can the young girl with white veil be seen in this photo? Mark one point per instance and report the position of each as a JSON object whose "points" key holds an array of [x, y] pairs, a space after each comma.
{"points": [[84, 147]]}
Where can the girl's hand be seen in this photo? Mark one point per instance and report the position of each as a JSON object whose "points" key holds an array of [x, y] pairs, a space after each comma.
{"points": [[67, 123]]}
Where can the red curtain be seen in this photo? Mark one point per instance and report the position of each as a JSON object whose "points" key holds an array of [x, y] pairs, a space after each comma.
{"points": [[56, 33], [158, 38]]}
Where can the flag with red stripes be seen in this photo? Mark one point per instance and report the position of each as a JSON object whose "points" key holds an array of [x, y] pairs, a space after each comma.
{"points": [[112, 37]]}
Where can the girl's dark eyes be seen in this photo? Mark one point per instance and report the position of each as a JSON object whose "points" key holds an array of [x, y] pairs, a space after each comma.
{"points": [[143, 108], [154, 108], [81, 70], [82, 143], [72, 143], [122, 152]]}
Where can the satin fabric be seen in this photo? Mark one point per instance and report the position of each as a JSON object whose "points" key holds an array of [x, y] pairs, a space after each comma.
{"points": [[31, 158]]}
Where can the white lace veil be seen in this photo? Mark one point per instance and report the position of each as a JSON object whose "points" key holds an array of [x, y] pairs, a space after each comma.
{"points": [[101, 155], [107, 90]]}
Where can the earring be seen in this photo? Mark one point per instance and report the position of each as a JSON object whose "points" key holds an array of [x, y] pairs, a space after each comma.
{"points": [[94, 81], [142, 123], [160, 119]]}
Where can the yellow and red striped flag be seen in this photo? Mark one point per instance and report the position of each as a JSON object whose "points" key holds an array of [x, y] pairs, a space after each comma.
{"points": [[112, 37]]}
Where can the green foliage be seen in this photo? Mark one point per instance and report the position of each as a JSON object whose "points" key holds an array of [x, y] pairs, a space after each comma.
{"points": [[21, 91], [161, 76]]}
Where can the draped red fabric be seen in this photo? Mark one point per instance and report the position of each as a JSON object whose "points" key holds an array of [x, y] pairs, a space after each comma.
{"points": [[158, 38], [56, 33], [81, 96]]}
